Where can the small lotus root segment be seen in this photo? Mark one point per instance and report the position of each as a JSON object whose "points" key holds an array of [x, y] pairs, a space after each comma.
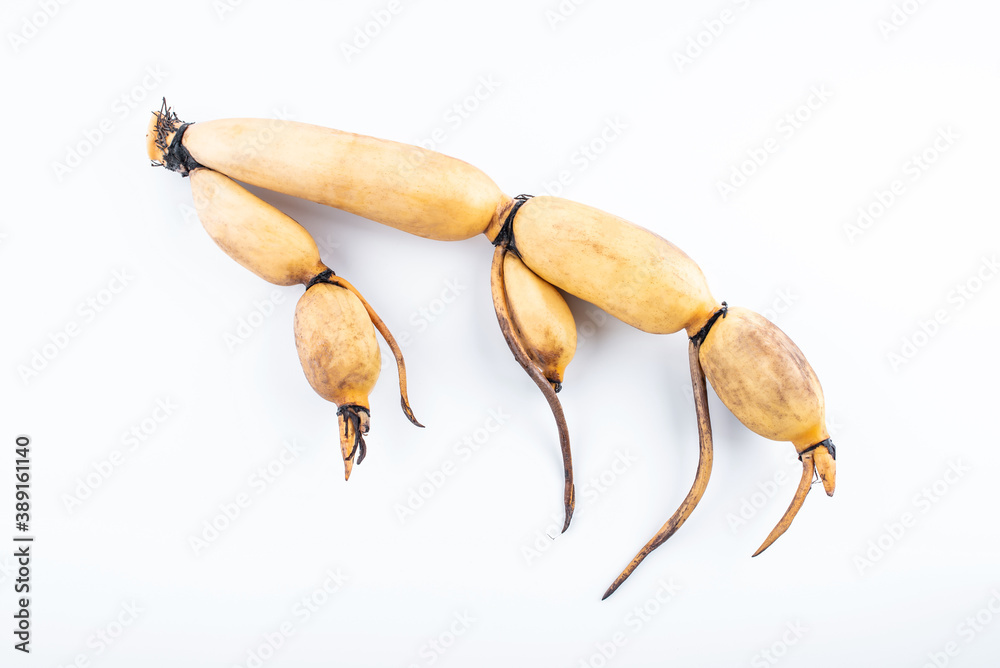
{"points": [[764, 379], [252, 232], [541, 317], [336, 343]]}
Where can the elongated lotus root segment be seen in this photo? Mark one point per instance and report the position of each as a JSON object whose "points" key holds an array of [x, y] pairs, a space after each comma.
{"points": [[341, 359], [407, 187], [632, 273]]}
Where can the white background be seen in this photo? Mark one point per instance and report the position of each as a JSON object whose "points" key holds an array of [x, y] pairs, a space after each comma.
{"points": [[857, 585]]}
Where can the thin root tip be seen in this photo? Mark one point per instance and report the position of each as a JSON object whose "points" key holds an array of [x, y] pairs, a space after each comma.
{"points": [[569, 501], [766, 544], [408, 412], [620, 580]]}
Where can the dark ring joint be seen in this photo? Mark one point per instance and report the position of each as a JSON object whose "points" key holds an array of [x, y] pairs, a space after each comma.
{"points": [[828, 444], [178, 158], [323, 277], [699, 338], [506, 232]]}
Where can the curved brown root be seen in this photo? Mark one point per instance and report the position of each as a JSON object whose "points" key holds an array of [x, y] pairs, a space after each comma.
{"points": [[393, 346], [516, 345], [701, 476], [805, 482]]}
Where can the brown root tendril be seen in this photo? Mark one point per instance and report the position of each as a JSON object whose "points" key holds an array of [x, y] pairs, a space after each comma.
{"points": [[517, 347], [380, 325], [805, 483], [701, 476]]}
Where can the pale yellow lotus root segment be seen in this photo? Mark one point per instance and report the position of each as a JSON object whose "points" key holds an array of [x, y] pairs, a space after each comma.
{"points": [[407, 187], [542, 317], [764, 379], [254, 233], [336, 343], [630, 272]]}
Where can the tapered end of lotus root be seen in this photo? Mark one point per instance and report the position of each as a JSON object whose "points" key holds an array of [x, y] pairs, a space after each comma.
{"points": [[826, 466]]}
